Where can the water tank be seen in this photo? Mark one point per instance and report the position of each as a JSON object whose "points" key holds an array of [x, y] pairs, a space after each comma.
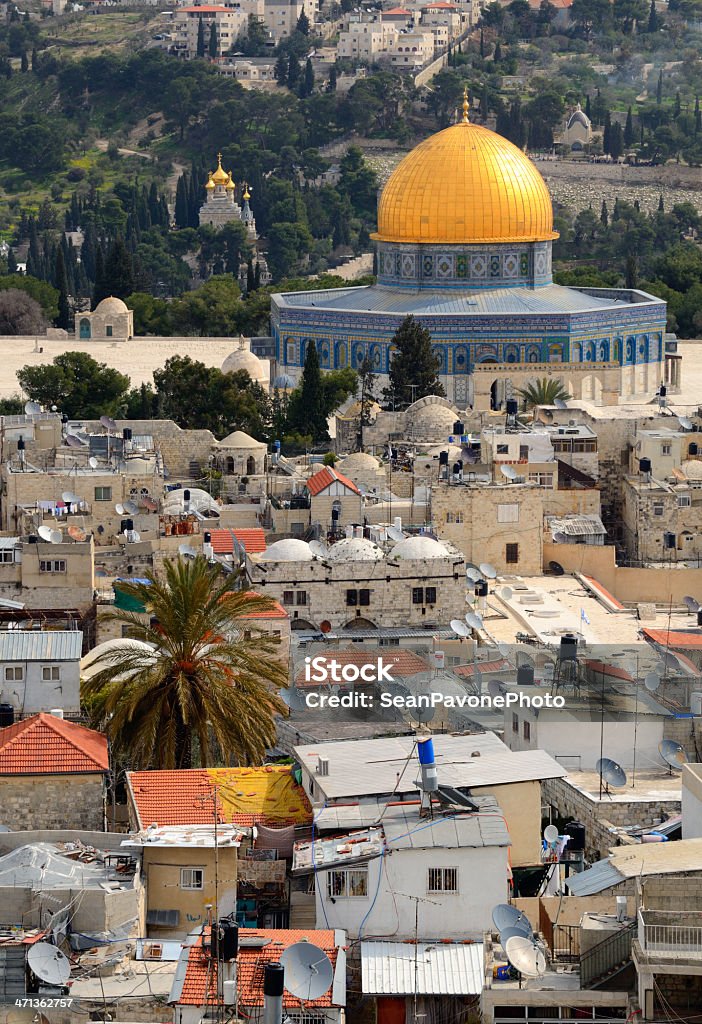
{"points": [[443, 458], [228, 945], [481, 588], [512, 406], [7, 715], [229, 993], [644, 465], [696, 704], [57, 712], [569, 648], [692, 449], [576, 831], [525, 675], [458, 427]]}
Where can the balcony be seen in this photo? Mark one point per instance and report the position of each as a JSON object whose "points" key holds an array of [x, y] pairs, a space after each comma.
{"points": [[670, 933]]}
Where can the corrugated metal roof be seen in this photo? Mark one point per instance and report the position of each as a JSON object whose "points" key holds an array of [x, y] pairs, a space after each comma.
{"points": [[600, 876], [435, 969], [8, 543], [577, 526], [53, 645], [405, 830]]}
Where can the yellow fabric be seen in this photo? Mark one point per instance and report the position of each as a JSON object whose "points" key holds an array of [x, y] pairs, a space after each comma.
{"points": [[465, 184], [270, 791]]}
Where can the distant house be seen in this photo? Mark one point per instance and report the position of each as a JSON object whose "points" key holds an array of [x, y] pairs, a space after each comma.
{"points": [[334, 499], [52, 775], [40, 670]]}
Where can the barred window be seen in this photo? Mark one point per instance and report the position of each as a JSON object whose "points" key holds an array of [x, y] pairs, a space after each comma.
{"points": [[443, 880]]}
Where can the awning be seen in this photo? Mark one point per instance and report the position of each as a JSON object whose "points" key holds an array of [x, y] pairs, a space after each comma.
{"points": [[600, 876], [436, 968]]}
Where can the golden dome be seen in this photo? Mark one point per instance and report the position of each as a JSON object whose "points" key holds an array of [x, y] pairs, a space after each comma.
{"points": [[230, 186], [465, 185], [210, 184], [220, 176]]}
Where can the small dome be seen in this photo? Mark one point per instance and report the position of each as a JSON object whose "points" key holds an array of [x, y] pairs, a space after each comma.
{"points": [[210, 184], [357, 461], [431, 417], [220, 176], [419, 548], [284, 381], [578, 117], [355, 549], [111, 305], [240, 439], [290, 549], [244, 359]]}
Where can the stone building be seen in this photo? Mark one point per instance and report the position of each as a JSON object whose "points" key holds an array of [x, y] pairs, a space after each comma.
{"points": [[419, 584], [241, 455], [334, 499], [242, 358], [661, 520], [52, 775], [577, 134], [220, 206], [111, 320], [43, 576]]}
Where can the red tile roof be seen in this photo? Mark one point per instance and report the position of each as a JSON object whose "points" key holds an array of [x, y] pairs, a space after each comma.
{"points": [[597, 586], [398, 10], [325, 478], [442, 5], [278, 612], [204, 9], [468, 671], [200, 984], [253, 540], [674, 638], [248, 796], [405, 663], [47, 745]]}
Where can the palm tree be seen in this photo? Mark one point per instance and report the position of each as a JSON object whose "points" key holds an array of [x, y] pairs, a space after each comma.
{"points": [[545, 391], [190, 674]]}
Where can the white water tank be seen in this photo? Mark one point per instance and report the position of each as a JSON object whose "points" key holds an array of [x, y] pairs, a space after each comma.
{"points": [[696, 704], [57, 712], [229, 993], [439, 659]]}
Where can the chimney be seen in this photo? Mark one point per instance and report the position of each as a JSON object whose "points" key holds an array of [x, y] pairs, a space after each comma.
{"points": [[273, 978]]}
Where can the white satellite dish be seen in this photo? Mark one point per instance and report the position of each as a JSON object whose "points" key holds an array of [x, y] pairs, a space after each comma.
{"points": [[131, 508], [652, 681], [49, 964], [68, 497], [119, 509], [395, 534], [45, 533], [459, 627], [550, 833], [186, 551], [132, 536], [93, 462], [686, 423], [56, 537], [506, 593], [473, 574], [318, 549], [525, 956], [31, 408], [474, 620], [509, 471], [308, 971], [488, 571], [109, 424]]}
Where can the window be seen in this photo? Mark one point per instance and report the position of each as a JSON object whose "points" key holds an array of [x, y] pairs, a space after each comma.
{"points": [[666, 449], [364, 597], [527, 730], [454, 517], [417, 595], [14, 674], [508, 513], [50, 673], [430, 595], [658, 508], [192, 878], [108, 330], [684, 501], [103, 494], [288, 597], [503, 449], [7, 555], [351, 883], [443, 880], [515, 723], [351, 598], [52, 565], [301, 597], [524, 452], [511, 554]]}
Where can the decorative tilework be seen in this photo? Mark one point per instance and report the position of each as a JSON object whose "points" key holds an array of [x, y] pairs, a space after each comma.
{"points": [[444, 266], [510, 265], [495, 266], [523, 264], [409, 266], [461, 266], [428, 266]]}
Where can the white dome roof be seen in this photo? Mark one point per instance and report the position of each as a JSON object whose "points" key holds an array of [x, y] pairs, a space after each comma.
{"points": [[111, 305], [290, 549], [431, 416], [354, 549], [243, 359], [358, 460], [240, 439], [200, 501], [90, 666], [419, 548]]}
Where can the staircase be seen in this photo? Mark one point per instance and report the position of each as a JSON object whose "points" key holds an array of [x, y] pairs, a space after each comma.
{"points": [[608, 958]]}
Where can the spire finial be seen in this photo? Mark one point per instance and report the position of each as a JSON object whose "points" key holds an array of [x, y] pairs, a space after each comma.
{"points": [[219, 159], [465, 118]]}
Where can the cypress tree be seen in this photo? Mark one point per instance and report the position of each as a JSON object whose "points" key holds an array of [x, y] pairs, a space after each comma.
{"points": [[119, 272], [213, 45], [604, 214], [482, 43], [257, 276], [587, 107], [414, 370], [309, 78], [698, 116], [293, 71], [250, 276], [661, 206], [629, 129], [281, 70], [332, 78], [311, 400], [659, 88], [35, 59], [497, 55], [99, 289], [11, 261], [200, 49], [61, 283], [24, 61], [182, 207], [653, 17]]}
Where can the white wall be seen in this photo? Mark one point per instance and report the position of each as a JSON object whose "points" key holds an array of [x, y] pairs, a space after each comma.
{"points": [[691, 802], [482, 883], [32, 694]]}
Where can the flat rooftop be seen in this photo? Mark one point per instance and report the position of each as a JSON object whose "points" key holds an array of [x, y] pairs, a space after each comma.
{"points": [[646, 785]]}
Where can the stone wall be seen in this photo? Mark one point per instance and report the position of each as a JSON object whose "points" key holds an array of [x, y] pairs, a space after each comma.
{"points": [[52, 801]]}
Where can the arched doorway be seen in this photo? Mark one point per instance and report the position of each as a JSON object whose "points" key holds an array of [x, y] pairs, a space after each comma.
{"points": [[84, 327], [250, 466]]}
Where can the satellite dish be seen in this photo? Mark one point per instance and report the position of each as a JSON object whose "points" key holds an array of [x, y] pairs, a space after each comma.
{"points": [[691, 604], [652, 681], [186, 551], [560, 404], [521, 927], [673, 753], [505, 916], [119, 509], [506, 593], [474, 620], [473, 574], [31, 408], [459, 627], [509, 471], [525, 956], [422, 716], [75, 533], [93, 462], [496, 688], [132, 536], [550, 833], [293, 698], [612, 773], [395, 534], [318, 549], [308, 971], [556, 568], [150, 505], [73, 441], [56, 537], [49, 964], [488, 571], [45, 533], [131, 508], [108, 423], [686, 423], [68, 497]]}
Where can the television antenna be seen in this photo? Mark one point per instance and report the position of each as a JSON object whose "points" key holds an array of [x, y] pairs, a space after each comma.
{"points": [[308, 971], [48, 963], [673, 754]]}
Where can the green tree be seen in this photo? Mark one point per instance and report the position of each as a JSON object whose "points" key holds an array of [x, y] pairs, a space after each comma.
{"points": [[303, 24], [210, 311], [20, 314], [212, 43], [199, 397], [652, 17], [604, 214], [293, 71], [367, 382], [200, 49], [81, 387], [119, 271], [308, 414], [41, 291], [414, 369], [179, 104], [281, 69], [629, 130], [24, 62], [195, 678], [544, 391], [63, 319], [659, 88], [308, 81]]}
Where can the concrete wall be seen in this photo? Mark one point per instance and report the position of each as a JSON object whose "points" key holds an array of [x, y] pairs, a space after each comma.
{"points": [[161, 876], [691, 801], [520, 803], [52, 801], [95, 910], [33, 694], [73, 588]]}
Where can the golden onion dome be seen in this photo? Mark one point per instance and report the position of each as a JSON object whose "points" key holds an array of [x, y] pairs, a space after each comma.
{"points": [[230, 186], [465, 185], [220, 176], [247, 193], [209, 184]]}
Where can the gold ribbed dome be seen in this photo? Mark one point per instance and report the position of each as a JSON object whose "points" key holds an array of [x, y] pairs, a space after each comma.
{"points": [[465, 184], [220, 176]]}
